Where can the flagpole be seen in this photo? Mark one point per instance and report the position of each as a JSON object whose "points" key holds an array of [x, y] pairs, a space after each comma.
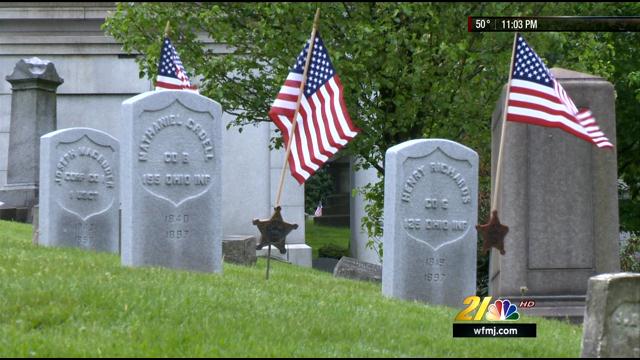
{"points": [[166, 29], [496, 186], [295, 114]]}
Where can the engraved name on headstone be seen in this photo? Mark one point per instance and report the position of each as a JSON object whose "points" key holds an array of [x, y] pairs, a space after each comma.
{"points": [[79, 189], [429, 221], [171, 208]]}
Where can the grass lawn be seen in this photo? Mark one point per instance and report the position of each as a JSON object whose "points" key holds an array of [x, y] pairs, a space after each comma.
{"points": [[318, 236], [71, 303]]}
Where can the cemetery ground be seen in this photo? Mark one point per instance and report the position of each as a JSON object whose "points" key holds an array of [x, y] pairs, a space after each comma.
{"points": [[68, 302]]}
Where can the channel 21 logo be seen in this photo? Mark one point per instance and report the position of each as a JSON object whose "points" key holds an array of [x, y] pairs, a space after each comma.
{"points": [[500, 310]]}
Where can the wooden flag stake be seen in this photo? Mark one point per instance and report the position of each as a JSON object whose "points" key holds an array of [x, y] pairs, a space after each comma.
{"points": [[493, 232], [295, 114], [295, 122], [496, 186], [167, 28]]}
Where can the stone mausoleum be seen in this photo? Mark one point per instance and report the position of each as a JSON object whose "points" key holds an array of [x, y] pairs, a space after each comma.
{"points": [[98, 75]]}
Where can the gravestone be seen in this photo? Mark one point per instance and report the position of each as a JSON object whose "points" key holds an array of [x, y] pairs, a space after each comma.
{"points": [[239, 249], [79, 189], [612, 316], [171, 181], [354, 269], [359, 238], [560, 201], [430, 213], [33, 113]]}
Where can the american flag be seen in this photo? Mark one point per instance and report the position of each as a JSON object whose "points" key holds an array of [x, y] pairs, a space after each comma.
{"points": [[324, 126], [537, 98], [171, 73]]}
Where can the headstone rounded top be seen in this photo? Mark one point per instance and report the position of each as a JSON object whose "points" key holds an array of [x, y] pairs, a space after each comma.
{"points": [[615, 276], [429, 144], [35, 69], [151, 96]]}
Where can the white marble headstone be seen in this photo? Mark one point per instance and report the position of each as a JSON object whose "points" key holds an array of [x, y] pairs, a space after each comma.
{"points": [[171, 181], [79, 189], [430, 213]]}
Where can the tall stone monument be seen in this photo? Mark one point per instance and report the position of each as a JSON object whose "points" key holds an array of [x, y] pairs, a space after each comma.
{"points": [[560, 201], [79, 189], [430, 213], [33, 114], [171, 181]]}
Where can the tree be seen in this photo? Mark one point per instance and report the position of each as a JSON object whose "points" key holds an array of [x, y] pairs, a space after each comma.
{"points": [[410, 70]]}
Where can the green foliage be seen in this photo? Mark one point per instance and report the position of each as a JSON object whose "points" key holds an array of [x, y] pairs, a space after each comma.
{"points": [[317, 188], [333, 251], [410, 70], [630, 255], [73, 303]]}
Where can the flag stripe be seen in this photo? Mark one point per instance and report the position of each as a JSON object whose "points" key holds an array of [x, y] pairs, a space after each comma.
{"points": [[542, 108], [284, 104], [329, 120], [535, 120], [310, 134], [352, 128], [323, 143]]}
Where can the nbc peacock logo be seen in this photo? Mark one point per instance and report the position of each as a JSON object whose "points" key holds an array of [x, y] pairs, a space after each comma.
{"points": [[482, 308], [502, 310]]}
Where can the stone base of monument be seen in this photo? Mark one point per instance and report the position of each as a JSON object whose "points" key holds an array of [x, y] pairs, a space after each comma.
{"points": [[239, 249], [560, 307], [17, 202], [298, 254]]}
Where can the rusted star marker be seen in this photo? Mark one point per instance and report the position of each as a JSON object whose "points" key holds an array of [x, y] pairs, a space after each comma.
{"points": [[273, 232], [493, 233]]}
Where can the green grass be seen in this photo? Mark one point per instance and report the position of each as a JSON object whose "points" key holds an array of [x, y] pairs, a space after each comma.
{"points": [[318, 236], [71, 303]]}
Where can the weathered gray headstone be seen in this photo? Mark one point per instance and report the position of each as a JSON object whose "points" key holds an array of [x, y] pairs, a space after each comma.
{"points": [[33, 114], [559, 197], [430, 213], [171, 187], [239, 249], [79, 189], [351, 268], [612, 316]]}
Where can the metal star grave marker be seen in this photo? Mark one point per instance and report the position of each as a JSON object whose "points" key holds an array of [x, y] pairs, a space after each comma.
{"points": [[493, 233], [274, 232]]}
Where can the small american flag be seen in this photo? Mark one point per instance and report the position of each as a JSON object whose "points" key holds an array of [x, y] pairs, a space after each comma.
{"points": [[537, 98], [318, 210], [171, 73], [324, 126]]}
